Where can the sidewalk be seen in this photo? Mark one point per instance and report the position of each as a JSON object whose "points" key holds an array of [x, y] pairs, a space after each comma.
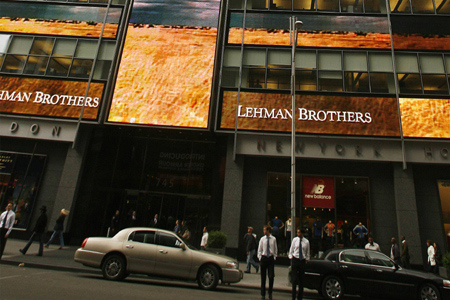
{"points": [[63, 260]]}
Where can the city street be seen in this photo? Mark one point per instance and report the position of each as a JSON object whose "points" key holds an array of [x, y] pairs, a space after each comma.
{"points": [[25, 283]]}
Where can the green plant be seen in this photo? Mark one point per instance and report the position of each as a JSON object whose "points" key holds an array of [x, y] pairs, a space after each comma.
{"points": [[446, 260], [217, 239]]}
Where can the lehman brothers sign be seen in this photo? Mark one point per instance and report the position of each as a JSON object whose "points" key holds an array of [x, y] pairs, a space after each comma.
{"points": [[316, 114], [46, 97]]}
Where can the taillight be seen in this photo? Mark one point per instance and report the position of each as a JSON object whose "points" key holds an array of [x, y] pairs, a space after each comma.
{"points": [[84, 243]]}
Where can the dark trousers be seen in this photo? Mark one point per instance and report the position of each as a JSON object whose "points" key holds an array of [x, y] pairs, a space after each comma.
{"points": [[3, 232], [405, 262], [40, 238], [267, 268], [288, 241], [298, 277]]}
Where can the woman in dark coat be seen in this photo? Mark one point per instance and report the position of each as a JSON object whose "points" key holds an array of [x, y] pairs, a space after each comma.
{"points": [[59, 229]]}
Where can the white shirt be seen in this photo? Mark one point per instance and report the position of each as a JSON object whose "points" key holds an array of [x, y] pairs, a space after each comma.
{"points": [[204, 239], [262, 248], [374, 247], [295, 248], [9, 216], [431, 258], [288, 226]]}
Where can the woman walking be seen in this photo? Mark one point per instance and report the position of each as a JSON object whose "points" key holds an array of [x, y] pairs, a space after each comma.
{"points": [[58, 229]]}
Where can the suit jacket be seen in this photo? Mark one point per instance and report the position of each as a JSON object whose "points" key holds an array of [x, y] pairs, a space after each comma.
{"points": [[405, 250], [395, 251], [155, 224], [41, 223]]}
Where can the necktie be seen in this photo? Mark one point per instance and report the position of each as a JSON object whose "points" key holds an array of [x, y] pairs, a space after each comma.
{"points": [[268, 247], [300, 255], [5, 219]]}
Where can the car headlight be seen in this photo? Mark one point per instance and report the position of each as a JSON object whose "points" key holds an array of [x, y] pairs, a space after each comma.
{"points": [[232, 265], [446, 283]]}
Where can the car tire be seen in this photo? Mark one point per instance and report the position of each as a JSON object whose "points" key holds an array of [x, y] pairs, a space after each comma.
{"points": [[114, 268], [208, 277], [332, 288], [429, 291]]}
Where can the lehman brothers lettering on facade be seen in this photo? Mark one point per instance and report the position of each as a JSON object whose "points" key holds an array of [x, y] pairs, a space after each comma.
{"points": [[55, 99], [305, 114]]}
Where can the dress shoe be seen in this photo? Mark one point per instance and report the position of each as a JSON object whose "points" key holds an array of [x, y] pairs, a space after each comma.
{"points": [[45, 246], [21, 251], [60, 248]]}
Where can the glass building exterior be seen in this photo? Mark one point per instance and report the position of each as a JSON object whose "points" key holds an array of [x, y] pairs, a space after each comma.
{"points": [[184, 110]]}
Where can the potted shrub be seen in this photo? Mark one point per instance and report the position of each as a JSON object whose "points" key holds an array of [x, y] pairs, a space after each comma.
{"points": [[445, 271], [216, 242]]}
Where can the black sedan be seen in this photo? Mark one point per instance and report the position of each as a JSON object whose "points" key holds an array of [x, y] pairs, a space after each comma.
{"points": [[373, 274]]}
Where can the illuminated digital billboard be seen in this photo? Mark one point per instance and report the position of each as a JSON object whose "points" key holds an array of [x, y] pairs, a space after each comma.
{"points": [[53, 19], [165, 75], [319, 114], [317, 31], [49, 97]]}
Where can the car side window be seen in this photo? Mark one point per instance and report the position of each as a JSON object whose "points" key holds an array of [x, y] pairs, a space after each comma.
{"points": [[379, 259], [146, 237], [357, 257], [168, 240]]}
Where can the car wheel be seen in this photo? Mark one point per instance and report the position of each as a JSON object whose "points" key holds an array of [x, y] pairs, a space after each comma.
{"points": [[208, 277], [332, 288], [429, 292], [114, 267]]}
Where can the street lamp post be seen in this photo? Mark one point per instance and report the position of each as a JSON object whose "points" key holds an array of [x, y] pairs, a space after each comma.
{"points": [[294, 26]]}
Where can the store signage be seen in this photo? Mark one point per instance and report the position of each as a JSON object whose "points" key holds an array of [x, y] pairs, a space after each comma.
{"points": [[6, 162], [318, 192]]}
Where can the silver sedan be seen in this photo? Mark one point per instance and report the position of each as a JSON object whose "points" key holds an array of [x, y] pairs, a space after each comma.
{"points": [[156, 252]]}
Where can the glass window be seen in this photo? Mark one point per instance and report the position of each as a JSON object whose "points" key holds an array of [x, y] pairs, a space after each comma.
{"points": [[330, 81], [304, 4], [354, 256], [422, 6], [355, 61], [232, 57], [36, 65], [102, 69], [400, 6], [444, 194], [380, 62], [4, 40], [20, 45], [253, 78], [14, 63], [230, 77], [64, 47], [382, 83], [306, 80], [81, 68], [351, 6], [42, 46], [356, 82], [330, 61], [279, 58], [168, 240], [442, 6], [236, 4], [86, 49], [147, 237], [279, 79], [375, 6], [379, 259], [107, 51], [406, 63], [281, 4], [254, 58], [431, 64], [59, 66], [306, 60], [328, 5], [435, 84], [447, 63], [409, 83], [2, 57]]}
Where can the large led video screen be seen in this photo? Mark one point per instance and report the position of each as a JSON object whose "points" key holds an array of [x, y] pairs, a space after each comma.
{"points": [[319, 114], [165, 75], [317, 31], [54, 19], [425, 118], [49, 97]]}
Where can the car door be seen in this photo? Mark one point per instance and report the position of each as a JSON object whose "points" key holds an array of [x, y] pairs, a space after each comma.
{"points": [[355, 269], [384, 275], [140, 250], [171, 259]]}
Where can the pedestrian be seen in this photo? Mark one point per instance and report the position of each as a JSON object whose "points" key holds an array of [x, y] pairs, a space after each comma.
{"points": [[346, 232], [299, 255], [59, 229], [277, 225], [250, 249], [404, 256], [267, 254], [39, 230], [288, 233], [114, 228], [177, 228], [185, 233], [155, 222], [371, 245], [132, 219], [204, 241], [437, 257], [360, 232], [395, 251], [7, 219], [431, 262]]}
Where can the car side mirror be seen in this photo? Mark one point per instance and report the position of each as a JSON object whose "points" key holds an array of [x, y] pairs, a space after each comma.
{"points": [[183, 246]]}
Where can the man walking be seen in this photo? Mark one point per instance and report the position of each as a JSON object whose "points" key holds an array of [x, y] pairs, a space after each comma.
{"points": [[267, 254], [250, 248], [204, 241], [7, 219], [404, 256], [395, 251], [299, 255], [38, 232]]}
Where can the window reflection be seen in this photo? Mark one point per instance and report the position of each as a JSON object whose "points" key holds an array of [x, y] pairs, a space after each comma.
{"points": [[400, 6], [328, 5], [36, 65], [422, 6]]}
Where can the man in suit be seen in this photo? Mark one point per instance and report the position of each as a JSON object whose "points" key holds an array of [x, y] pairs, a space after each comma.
{"points": [[299, 254], [267, 254], [39, 230], [404, 256], [7, 219], [395, 251], [155, 222]]}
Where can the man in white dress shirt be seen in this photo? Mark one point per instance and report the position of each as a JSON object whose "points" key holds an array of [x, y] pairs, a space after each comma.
{"points": [[267, 254], [371, 245], [299, 254], [7, 219], [204, 241]]}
